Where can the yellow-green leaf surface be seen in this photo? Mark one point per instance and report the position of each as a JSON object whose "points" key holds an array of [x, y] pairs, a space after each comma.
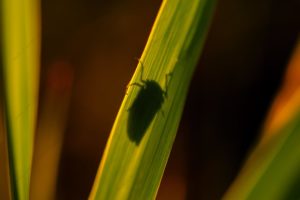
{"points": [[20, 54], [143, 133]]}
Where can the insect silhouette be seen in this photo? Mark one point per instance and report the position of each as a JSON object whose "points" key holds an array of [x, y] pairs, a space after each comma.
{"points": [[147, 103]]}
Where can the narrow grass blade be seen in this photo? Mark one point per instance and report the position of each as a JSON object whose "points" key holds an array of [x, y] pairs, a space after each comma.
{"points": [[146, 125], [273, 169], [20, 54]]}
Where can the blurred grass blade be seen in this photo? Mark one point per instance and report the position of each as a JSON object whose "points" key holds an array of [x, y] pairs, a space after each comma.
{"points": [[53, 113], [143, 133], [286, 103], [273, 169], [20, 55]]}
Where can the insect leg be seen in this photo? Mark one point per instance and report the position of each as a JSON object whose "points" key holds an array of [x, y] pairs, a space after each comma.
{"points": [[141, 77], [142, 70], [134, 84]]}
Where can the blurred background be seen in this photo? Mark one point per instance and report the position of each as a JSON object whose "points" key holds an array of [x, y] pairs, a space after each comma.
{"points": [[88, 57]]}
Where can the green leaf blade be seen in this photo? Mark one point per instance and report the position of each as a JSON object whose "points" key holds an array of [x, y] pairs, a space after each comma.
{"points": [[273, 167], [20, 39], [133, 170]]}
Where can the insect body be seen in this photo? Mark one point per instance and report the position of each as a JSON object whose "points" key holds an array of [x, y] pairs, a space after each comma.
{"points": [[147, 103]]}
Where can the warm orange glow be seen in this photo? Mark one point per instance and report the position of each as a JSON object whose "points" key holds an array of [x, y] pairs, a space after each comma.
{"points": [[288, 100]]}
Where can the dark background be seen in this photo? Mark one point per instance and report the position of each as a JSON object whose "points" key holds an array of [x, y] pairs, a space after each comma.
{"points": [[238, 74]]}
